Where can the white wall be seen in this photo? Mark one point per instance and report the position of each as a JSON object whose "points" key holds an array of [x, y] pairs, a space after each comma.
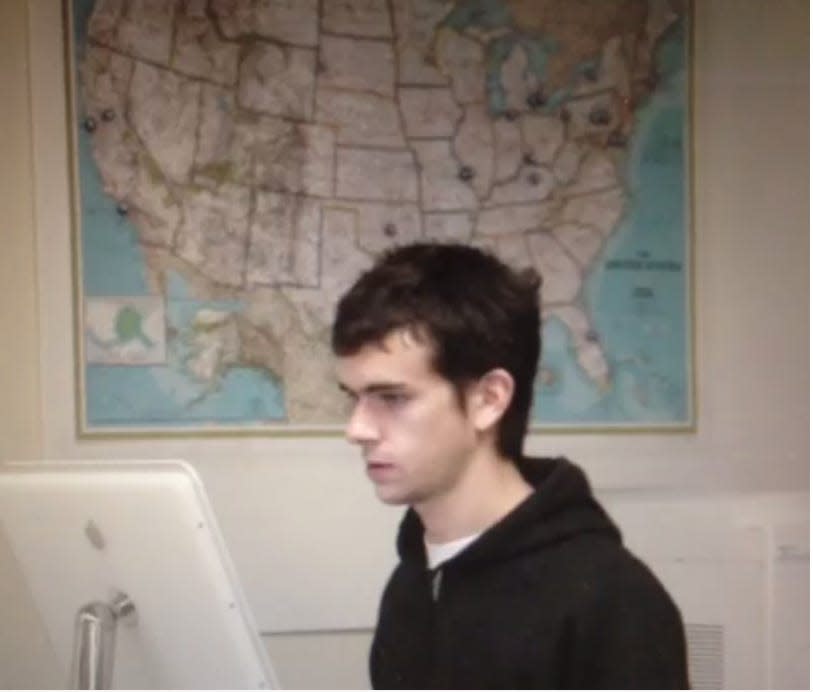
{"points": [[275, 496]]}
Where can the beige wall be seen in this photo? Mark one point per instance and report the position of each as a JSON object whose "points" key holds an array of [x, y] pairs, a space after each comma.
{"points": [[752, 307], [20, 419], [25, 659]]}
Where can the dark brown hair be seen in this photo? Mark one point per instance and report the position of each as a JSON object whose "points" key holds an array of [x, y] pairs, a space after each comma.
{"points": [[475, 312]]}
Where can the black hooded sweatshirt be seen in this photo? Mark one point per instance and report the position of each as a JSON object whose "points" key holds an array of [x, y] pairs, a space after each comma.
{"points": [[548, 597]]}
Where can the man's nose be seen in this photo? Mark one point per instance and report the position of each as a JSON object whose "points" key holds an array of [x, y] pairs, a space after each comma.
{"points": [[361, 428]]}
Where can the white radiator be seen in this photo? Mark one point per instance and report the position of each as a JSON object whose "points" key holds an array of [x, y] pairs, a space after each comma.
{"points": [[738, 567]]}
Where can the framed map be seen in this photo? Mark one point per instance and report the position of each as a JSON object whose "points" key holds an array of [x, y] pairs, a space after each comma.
{"points": [[237, 163]]}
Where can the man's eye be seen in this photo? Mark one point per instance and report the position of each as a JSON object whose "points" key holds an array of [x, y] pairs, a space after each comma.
{"points": [[393, 398]]}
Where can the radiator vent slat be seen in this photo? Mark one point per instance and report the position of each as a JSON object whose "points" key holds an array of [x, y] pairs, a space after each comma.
{"points": [[705, 651]]}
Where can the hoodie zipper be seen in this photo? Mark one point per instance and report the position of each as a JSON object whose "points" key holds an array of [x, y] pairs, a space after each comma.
{"points": [[437, 579], [435, 583]]}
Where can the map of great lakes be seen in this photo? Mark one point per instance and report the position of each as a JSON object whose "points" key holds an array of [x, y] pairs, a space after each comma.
{"points": [[240, 162]]}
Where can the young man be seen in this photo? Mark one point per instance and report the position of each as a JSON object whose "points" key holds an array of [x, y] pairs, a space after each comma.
{"points": [[511, 575]]}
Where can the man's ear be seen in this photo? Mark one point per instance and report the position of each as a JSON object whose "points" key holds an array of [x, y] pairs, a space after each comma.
{"points": [[490, 397]]}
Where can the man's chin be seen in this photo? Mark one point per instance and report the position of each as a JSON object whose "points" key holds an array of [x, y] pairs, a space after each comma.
{"points": [[390, 496]]}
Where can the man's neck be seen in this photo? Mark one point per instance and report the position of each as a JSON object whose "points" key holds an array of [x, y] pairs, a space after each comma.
{"points": [[490, 489]]}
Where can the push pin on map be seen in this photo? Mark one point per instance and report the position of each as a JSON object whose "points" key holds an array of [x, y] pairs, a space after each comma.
{"points": [[122, 209], [89, 123], [590, 73], [466, 173], [108, 115], [600, 116], [536, 99]]}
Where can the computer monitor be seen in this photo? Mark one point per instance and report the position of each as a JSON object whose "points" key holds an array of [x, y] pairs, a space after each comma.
{"points": [[88, 532]]}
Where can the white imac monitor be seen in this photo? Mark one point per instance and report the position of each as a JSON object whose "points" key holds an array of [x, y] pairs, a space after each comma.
{"points": [[88, 533]]}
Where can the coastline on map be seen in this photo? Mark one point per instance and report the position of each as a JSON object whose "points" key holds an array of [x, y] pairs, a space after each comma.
{"points": [[633, 308]]}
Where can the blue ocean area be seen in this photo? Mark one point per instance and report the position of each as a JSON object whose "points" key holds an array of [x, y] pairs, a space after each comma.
{"points": [[82, 9], [127, 396], [112, 260], [637, 296], [169, 395], [113, 266]]}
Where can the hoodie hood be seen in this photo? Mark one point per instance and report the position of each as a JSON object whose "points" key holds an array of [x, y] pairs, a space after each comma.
{"points": [[561, 506]]}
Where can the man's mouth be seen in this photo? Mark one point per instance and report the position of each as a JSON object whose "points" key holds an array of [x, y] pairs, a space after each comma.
{"points": [[379, 470]]}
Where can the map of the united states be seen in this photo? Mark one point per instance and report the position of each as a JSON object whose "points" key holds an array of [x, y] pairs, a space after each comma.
{"points": [[264, 152]]}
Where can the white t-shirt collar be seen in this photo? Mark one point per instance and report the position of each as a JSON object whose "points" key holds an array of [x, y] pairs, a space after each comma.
{"points": [[438, 553]]}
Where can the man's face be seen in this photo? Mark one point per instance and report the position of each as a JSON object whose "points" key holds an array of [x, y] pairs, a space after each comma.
{"points": [[415, 437]]}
